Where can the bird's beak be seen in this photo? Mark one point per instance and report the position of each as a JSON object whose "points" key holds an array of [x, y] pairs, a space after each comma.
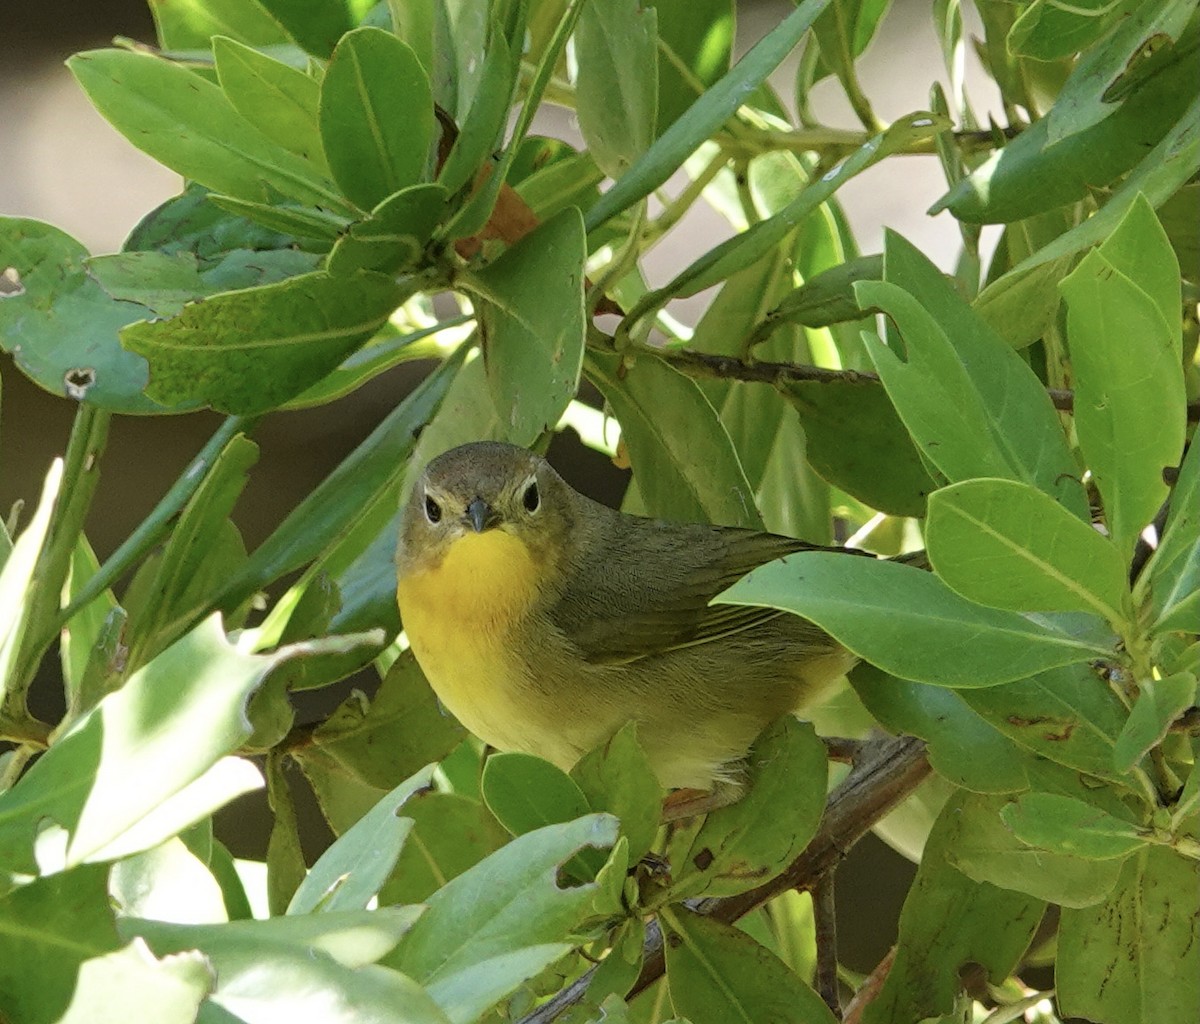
{"points": [[481, 515]]}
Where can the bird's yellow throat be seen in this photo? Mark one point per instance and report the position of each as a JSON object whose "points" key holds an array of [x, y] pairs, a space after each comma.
{"points": [[457, 615]]}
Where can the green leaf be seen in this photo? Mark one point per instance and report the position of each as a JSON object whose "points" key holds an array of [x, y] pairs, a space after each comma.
{"points": [[706, 115], [315, 26], [908, 622], [1159, 704], [1065, 715], [694, 45], [749, 246], [316, 225], [395, 234], [529, 304], [984, 849], [964, 748], [525, 793], [684, 463], [481, 130], [1158, 177], [616, 91], [1049, 31], [185, 122], [949, 921], [195, 562], [1173, 575], [353, 938], [351, 872], [1063, 824], [48, 929], [130, 984], [506, 903], [61, 326], [748, 843], [451, 833], [466, 995], [402, 728], [17, 577], [278, 100], [1127, 959], [187, 25], [169, 880], [1037, 171], [169, 726], [252, 350], [971, 403], [280, 969], [87, 634], [1125, 361], [617, 777], [717, 972], [857, 442], [376, 116], [1007, 545]]}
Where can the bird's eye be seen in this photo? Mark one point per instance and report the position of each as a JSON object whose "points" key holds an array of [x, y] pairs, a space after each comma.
{"points": [[531, 498], [433, 511]]}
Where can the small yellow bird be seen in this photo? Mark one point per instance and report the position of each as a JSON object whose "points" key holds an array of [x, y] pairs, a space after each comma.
{"points": [[545, 621]]}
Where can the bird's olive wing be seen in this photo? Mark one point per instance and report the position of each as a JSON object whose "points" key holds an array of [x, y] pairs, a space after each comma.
{"points": [[649, 592]]}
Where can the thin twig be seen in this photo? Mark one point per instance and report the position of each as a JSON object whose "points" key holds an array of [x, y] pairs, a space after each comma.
{"points": [[825, 927], [709, 366], [869, 989]]}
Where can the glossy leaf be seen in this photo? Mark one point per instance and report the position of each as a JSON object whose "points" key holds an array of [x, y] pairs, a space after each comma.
{"points": [[749, 842], [985, 849], [529, 303], [964, 413], [130, 983], [451, 834], [61, 326], [376, 116], [683, 460], [694, 45], [1109, 971], [617, 777], [617, 86], [506, 903], [48, 928], [1159, 704], [525, 793], [399, 730], [717, 972], [395, 234], [278, 100], [1173, 575], [908, 622], [1123, 357], [1063, 824], [857, 442], [254, 349], [171, 723], [1007, 545], [949, 920], [963, 747], [708, 113], [184, 121], [351, 872]]}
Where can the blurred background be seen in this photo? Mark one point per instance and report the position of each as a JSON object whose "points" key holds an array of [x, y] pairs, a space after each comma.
{"points": [[61, 163]]}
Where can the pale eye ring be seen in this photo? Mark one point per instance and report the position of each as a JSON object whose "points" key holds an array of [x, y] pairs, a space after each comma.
{"points": [[433, 511], [531, 499]]}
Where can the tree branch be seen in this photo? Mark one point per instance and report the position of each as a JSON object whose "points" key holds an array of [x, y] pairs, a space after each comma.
{"points": [[887, 773], [708, 366]]}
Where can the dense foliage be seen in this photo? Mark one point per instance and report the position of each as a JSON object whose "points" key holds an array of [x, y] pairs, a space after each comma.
{"points": [[1026, 416]]}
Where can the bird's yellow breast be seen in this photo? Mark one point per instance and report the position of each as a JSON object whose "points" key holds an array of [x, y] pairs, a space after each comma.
{"points": [[460, 616]]}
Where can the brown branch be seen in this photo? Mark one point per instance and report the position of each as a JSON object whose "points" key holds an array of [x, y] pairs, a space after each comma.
{"points": [[825, 928], [887, 773], [705, 365]]}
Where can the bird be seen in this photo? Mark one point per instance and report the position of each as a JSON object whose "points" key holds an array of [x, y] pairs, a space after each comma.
{"points": [[545, 621]]}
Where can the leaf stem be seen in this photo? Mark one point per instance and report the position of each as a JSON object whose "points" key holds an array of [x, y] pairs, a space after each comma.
{"points": [[81, 473], [155, 525]]}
